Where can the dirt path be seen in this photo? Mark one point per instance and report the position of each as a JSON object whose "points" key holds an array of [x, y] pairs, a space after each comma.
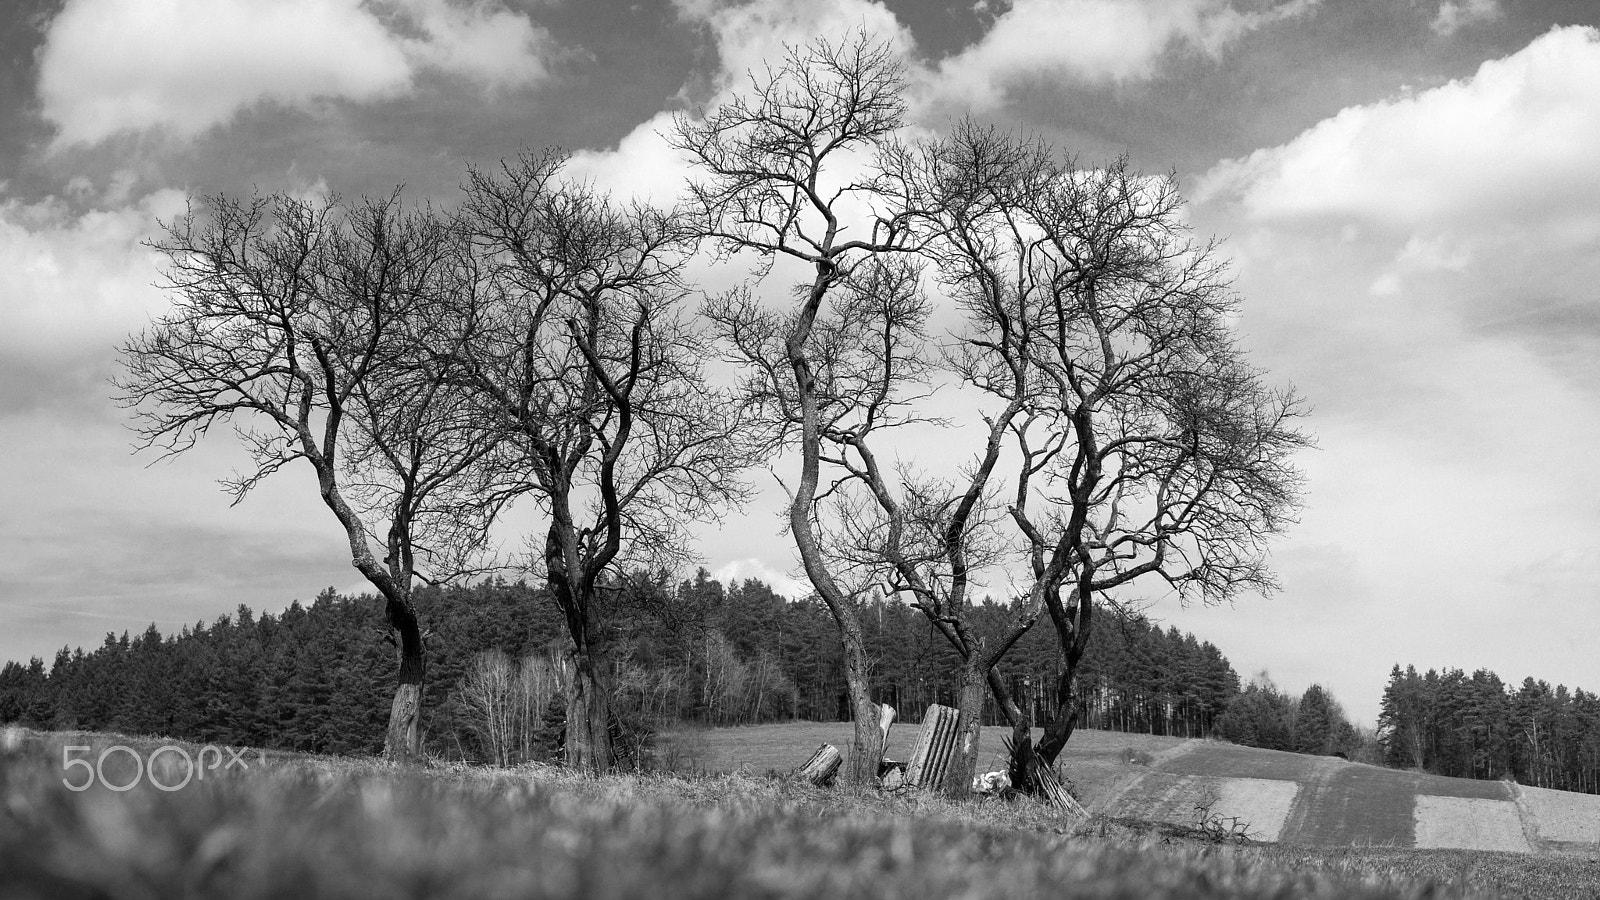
{"points": [[1109, 801]]}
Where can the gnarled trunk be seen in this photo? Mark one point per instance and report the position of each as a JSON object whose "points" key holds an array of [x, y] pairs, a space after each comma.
{"points": [[588, 744], [1072, 632], [1059, 729], [867, 744], [588, 717], [403, 739], [969, 725]]}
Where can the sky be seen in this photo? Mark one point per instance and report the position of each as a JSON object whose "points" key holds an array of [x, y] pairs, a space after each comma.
{"points": [[1407, 190]]}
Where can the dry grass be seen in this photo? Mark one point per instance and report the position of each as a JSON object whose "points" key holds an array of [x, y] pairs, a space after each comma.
{"points": [[1562, 816], [1467, 823], [1223, 760], [1095, 761], [1262, 802], [325, 827]]}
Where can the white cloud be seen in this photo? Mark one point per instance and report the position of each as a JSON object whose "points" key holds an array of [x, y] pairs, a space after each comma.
{"points": [[782, 583], [482, 41], [109, 66], [1454, 16], [1423, 269], [750, 34], [76, 282], [641, 166], [1093, 41], [1519, 138], [1482, 194]]}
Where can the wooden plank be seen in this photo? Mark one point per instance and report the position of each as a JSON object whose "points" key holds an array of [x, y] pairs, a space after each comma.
{"points": [[935, 748], [885, 722]]}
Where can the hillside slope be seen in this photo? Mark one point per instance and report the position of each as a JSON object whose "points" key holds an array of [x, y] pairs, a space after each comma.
{"points": [[1293, 798], [291, 825], [1283, 797]]}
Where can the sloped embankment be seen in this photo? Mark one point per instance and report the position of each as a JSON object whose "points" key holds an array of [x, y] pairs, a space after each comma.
{"points": [[1560, 821], [1323, 801]]}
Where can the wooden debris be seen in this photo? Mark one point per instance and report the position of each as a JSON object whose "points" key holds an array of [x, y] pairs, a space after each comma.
{"points": [[823, 766], [936, 744], [1028, 775], [1056, 794]]}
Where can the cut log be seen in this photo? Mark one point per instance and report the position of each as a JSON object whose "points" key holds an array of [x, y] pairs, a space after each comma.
{"points": [[936, 744], [823, 766]]}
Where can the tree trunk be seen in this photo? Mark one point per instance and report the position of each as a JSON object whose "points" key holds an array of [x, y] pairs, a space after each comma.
{"points": [[969, 724], [1059, 729], [1072, 633], [403, 741], [866, 747], [588, 718]]}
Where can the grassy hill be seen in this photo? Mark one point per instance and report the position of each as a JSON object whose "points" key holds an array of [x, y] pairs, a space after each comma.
{"points": [[341, 827], [1096, 761], [1282, 797]]}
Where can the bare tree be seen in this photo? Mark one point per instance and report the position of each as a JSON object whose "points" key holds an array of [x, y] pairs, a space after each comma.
{"points": [[576, 356], [291, 321], [508, 701], [785, 171], [1142, 442], [887, 525], [489, 692]]}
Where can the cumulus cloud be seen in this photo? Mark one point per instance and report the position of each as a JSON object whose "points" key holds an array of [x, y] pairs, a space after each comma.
{"points": [[747, 36], [1423, 269], [1454, 16], [642, 165], [1518, 138], [76, 281], [782, 583], [1093, 41], [187, 65], [1481, 195]]}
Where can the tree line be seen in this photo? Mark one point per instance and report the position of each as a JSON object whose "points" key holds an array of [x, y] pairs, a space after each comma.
{"points": [[538, 344], [1476, 726], [312, 677], [1263, 715]]}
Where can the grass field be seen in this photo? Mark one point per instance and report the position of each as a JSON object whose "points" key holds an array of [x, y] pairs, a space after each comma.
{"points": [[1560, 821], [1288, 797], [1339, 803], [1468, 822], [1095, 760], [330, 827]]}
